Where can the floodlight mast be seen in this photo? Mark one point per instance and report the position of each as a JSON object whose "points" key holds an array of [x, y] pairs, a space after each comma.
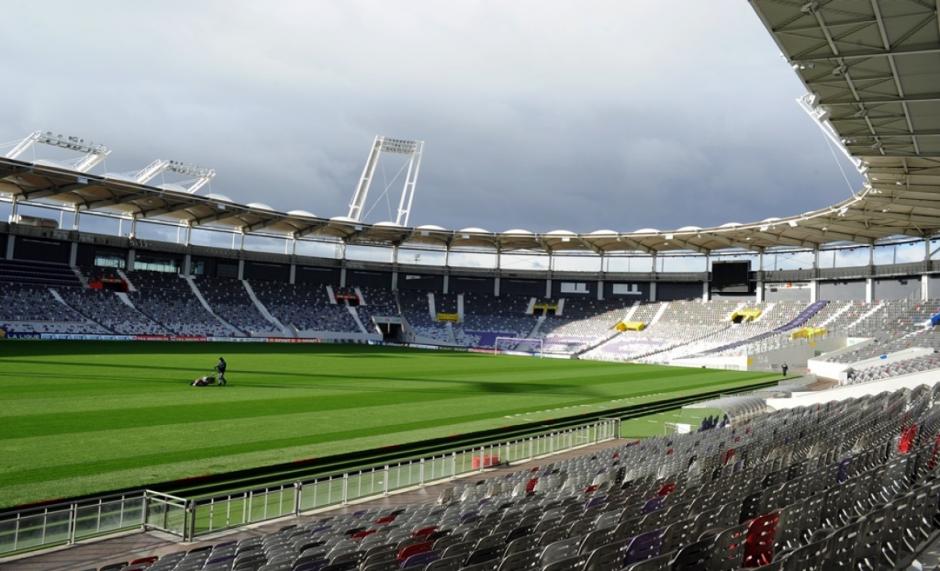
{"points": [[393, 146], [202, 175], [92, 153]]}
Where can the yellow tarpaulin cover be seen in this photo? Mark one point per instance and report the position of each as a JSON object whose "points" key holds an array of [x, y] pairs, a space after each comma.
{"points": [[746, 314], [808, 333], [448, 317], [631, 326]]}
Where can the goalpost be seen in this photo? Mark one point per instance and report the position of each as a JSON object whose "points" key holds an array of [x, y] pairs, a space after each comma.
{"points": [[518, 346]]}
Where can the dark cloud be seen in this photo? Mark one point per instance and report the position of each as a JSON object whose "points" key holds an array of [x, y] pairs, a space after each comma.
{"points": [[576, 115]]}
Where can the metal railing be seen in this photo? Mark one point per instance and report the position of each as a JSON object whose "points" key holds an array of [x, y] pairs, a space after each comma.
{"points": [[63, 524], [219, 512]]}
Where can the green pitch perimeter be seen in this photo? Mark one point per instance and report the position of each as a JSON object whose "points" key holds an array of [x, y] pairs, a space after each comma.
{"points": [[86, 417]]}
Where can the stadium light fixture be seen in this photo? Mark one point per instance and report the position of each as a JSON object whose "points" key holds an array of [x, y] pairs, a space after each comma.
{"points": [[93, 153]]}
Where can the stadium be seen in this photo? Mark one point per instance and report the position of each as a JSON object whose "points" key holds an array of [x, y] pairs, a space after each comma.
{"points": [[749, 395]]}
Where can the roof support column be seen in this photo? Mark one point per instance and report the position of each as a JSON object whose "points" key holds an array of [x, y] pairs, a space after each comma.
{"points": [[342, 276], [188, 265], [11, 239], [869, 290], [241, 268], [706, 283], [871, 256], [498, 266], [241, 241], [760, 276], [292, 278], [131, 256], [76, 218], [446, 286], [653, 279], [73, 253], [813, 290], [924, 287], [132, 233], [600, 290], [188, 235], [14, 204]]}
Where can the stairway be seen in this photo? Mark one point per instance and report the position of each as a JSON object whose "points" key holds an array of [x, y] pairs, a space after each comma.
{"points": [[207, 307], [264, 310]]}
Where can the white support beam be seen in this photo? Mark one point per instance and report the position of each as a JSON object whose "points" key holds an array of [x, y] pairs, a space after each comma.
{"points": [[262, 224], [115, 200], [365, 181], [216, 217], [744, 245], [23, 145], [864, 54], [411, 179]]}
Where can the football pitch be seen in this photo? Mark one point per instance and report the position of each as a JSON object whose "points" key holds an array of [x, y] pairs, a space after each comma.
{"points": [[87, 417]]}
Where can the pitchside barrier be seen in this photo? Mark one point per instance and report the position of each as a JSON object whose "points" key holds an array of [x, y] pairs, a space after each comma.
{"points": [[187, 518]]}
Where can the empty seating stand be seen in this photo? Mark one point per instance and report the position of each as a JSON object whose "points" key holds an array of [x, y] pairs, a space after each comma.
{"points": [[841, 485]]}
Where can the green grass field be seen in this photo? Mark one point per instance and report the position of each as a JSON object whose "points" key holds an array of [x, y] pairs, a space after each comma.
{"points": [[86, 417]]}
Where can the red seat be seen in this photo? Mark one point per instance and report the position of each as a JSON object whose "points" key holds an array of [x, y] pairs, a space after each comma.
{"points": [[361, 534], [145, 560], [530, 485], [386, 519], [414, 549], [425, 531], [907, 439], [759, 543]]}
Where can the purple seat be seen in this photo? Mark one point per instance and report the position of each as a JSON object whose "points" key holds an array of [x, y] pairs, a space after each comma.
{"points": [[653, 505], [644, 546]]}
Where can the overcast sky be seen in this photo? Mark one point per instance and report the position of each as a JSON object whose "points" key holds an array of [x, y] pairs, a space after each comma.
{"points": [[580, 115]]}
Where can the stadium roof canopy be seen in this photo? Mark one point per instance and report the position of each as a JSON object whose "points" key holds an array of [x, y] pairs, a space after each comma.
{"points": [[872, 72]]}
